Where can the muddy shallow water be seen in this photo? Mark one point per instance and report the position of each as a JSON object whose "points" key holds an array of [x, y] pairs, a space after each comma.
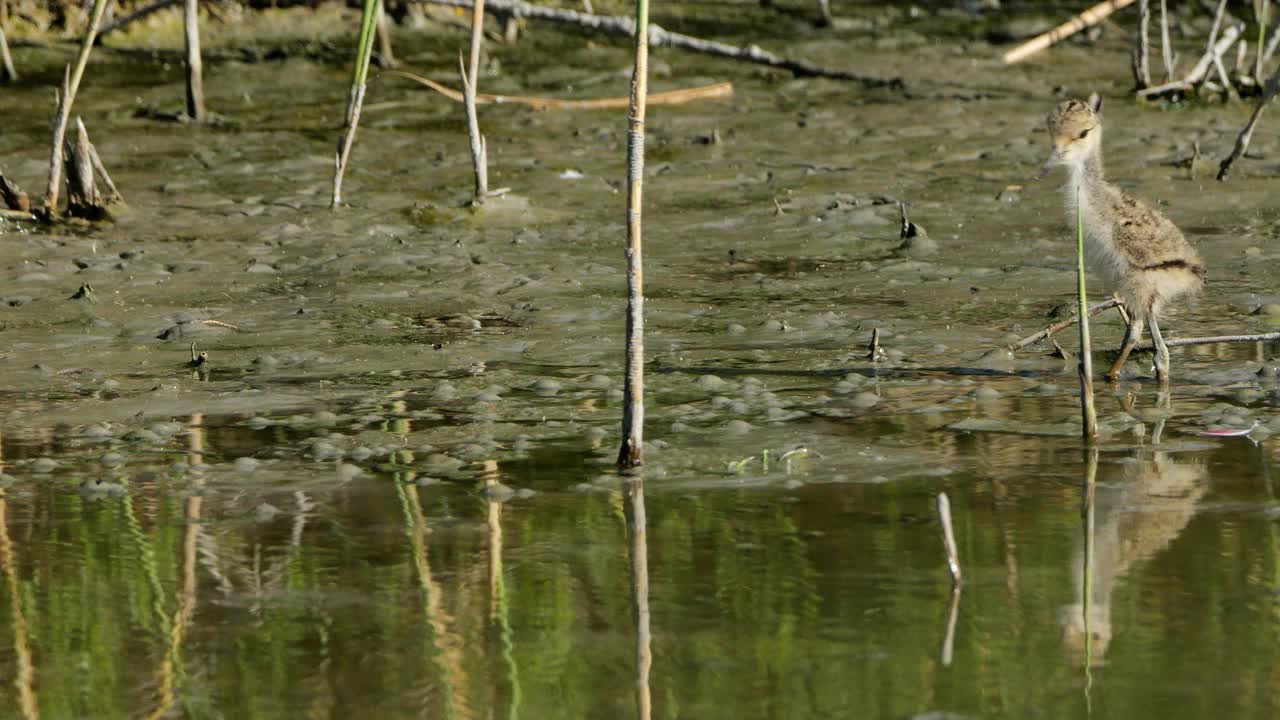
{"points": [[392, 495]]}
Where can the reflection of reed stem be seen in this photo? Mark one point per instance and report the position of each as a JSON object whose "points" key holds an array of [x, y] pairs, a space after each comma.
{"points": [[24, 679], [171, 670], [499, 610], [1090, 497], [640, 596], [447, 645]]}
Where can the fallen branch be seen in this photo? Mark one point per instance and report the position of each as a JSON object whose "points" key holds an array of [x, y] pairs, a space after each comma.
{"points": [[671, 97], [1088, 18], [1063, 324], [1214, 340], [658, 37]]}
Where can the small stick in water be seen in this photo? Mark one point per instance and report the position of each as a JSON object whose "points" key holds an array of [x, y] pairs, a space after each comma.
{"points": [[875, 352], [949, 540], [1166, 48]]}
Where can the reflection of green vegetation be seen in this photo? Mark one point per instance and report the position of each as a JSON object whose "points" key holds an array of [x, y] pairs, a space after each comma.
{"points": [[765, 603]]}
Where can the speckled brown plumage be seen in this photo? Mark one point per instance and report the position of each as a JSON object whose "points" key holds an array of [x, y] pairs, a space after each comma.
{"points": [[1141, 254]]}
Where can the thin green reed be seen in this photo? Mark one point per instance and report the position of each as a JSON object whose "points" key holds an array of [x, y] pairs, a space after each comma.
{"points": [[1090, 417], [355, 98]]}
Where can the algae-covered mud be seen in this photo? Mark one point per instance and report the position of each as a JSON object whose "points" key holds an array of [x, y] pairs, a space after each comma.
{"points": [[390, 491]]}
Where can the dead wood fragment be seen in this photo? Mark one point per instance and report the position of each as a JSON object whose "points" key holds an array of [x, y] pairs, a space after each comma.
{"points": [[13, 196]]}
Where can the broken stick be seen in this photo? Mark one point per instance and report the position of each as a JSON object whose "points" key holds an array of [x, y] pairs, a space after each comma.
{"points": [[1063, 324]]}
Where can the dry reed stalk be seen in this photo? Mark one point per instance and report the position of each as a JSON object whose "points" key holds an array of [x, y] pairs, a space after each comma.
{"points": [[386, 55], [471, 76], [1166, 48], [1142, 54], [195, 66], [1088, 18], [631, 452], [70, 85]]}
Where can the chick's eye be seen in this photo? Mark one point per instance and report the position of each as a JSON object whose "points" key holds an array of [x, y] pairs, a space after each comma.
{"points": [[1083, 134]]}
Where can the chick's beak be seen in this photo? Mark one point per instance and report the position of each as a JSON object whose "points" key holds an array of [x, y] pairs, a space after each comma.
{"points": [[1054, 160]]}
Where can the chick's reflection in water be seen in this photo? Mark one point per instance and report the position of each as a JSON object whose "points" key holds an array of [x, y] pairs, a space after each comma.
{"points": [[1141, 505]]}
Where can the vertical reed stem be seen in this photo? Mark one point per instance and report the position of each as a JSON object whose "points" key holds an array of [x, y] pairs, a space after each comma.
{"points": [[386, 55], [630, 454], [471, 76], [70, 87], [195, 67], [355, 98], [1090, 418], [1166, 49], [1143, 63], [1262, 37]]}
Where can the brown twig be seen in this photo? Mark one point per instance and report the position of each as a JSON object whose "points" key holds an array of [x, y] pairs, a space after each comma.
{"points": [[1090, 17], [659, 37], [1246, 134], [1063, 324], [671, 97]]}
